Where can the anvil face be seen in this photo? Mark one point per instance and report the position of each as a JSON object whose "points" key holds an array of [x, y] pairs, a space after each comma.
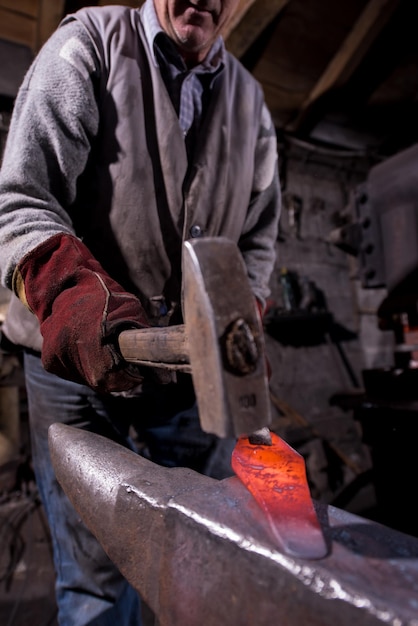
{"points": [[200, 551]]}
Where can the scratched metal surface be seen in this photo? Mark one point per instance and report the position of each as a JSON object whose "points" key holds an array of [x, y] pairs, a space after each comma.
{"points": [[200, 552]]}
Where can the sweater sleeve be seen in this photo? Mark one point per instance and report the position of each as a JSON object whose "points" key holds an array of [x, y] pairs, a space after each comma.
{"points": [[54, 121], [259, 237]]}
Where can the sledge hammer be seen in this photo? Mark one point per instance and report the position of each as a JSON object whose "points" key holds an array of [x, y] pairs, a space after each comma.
{"points": [[221, 342]]}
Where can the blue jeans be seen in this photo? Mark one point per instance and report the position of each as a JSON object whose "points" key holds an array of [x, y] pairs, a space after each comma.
{"points": [[90, 591]]}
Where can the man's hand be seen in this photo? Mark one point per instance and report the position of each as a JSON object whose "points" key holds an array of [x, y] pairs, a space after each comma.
{"points": [[81, 311]]}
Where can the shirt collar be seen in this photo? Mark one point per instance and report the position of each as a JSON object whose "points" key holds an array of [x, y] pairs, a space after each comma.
{"points": [[152, 28]]}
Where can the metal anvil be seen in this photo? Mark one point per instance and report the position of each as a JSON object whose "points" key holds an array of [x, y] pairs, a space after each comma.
{"points": [[199, 551]]}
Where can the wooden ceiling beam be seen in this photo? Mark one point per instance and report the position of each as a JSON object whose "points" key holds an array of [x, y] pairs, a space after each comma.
{"points": [[29, 22], [249, 21], [24, 7], [19, 28], [50, 15], [347, 59], [236, 18]]}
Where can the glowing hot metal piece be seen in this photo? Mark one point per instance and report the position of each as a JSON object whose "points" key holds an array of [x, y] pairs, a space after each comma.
{"points": [[276, 477]]}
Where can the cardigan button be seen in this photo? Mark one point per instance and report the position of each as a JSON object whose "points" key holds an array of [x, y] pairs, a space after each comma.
{"points": [[195, 231]]}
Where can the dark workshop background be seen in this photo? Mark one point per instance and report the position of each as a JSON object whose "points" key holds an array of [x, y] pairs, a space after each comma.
{"points": [[340, 79]]}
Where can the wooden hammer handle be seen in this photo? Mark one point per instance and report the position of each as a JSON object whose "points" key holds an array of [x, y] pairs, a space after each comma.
{"points": [[156, 346]]}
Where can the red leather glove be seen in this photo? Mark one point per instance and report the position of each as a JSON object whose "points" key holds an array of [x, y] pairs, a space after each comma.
{"points": [[81, 311]]}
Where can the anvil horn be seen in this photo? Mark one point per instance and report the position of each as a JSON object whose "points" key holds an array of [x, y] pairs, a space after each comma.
{"points": [[199, 550]]}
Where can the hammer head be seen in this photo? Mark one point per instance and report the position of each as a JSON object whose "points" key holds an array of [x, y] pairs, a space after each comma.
{"points": [[225, 338]]}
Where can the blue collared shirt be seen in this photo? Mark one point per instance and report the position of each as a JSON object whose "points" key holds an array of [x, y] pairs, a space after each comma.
{"points": [[188, 88]]}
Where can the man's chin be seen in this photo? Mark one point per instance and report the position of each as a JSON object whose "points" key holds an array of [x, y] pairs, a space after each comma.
{"points": [[193, 45], [194, 39]]}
